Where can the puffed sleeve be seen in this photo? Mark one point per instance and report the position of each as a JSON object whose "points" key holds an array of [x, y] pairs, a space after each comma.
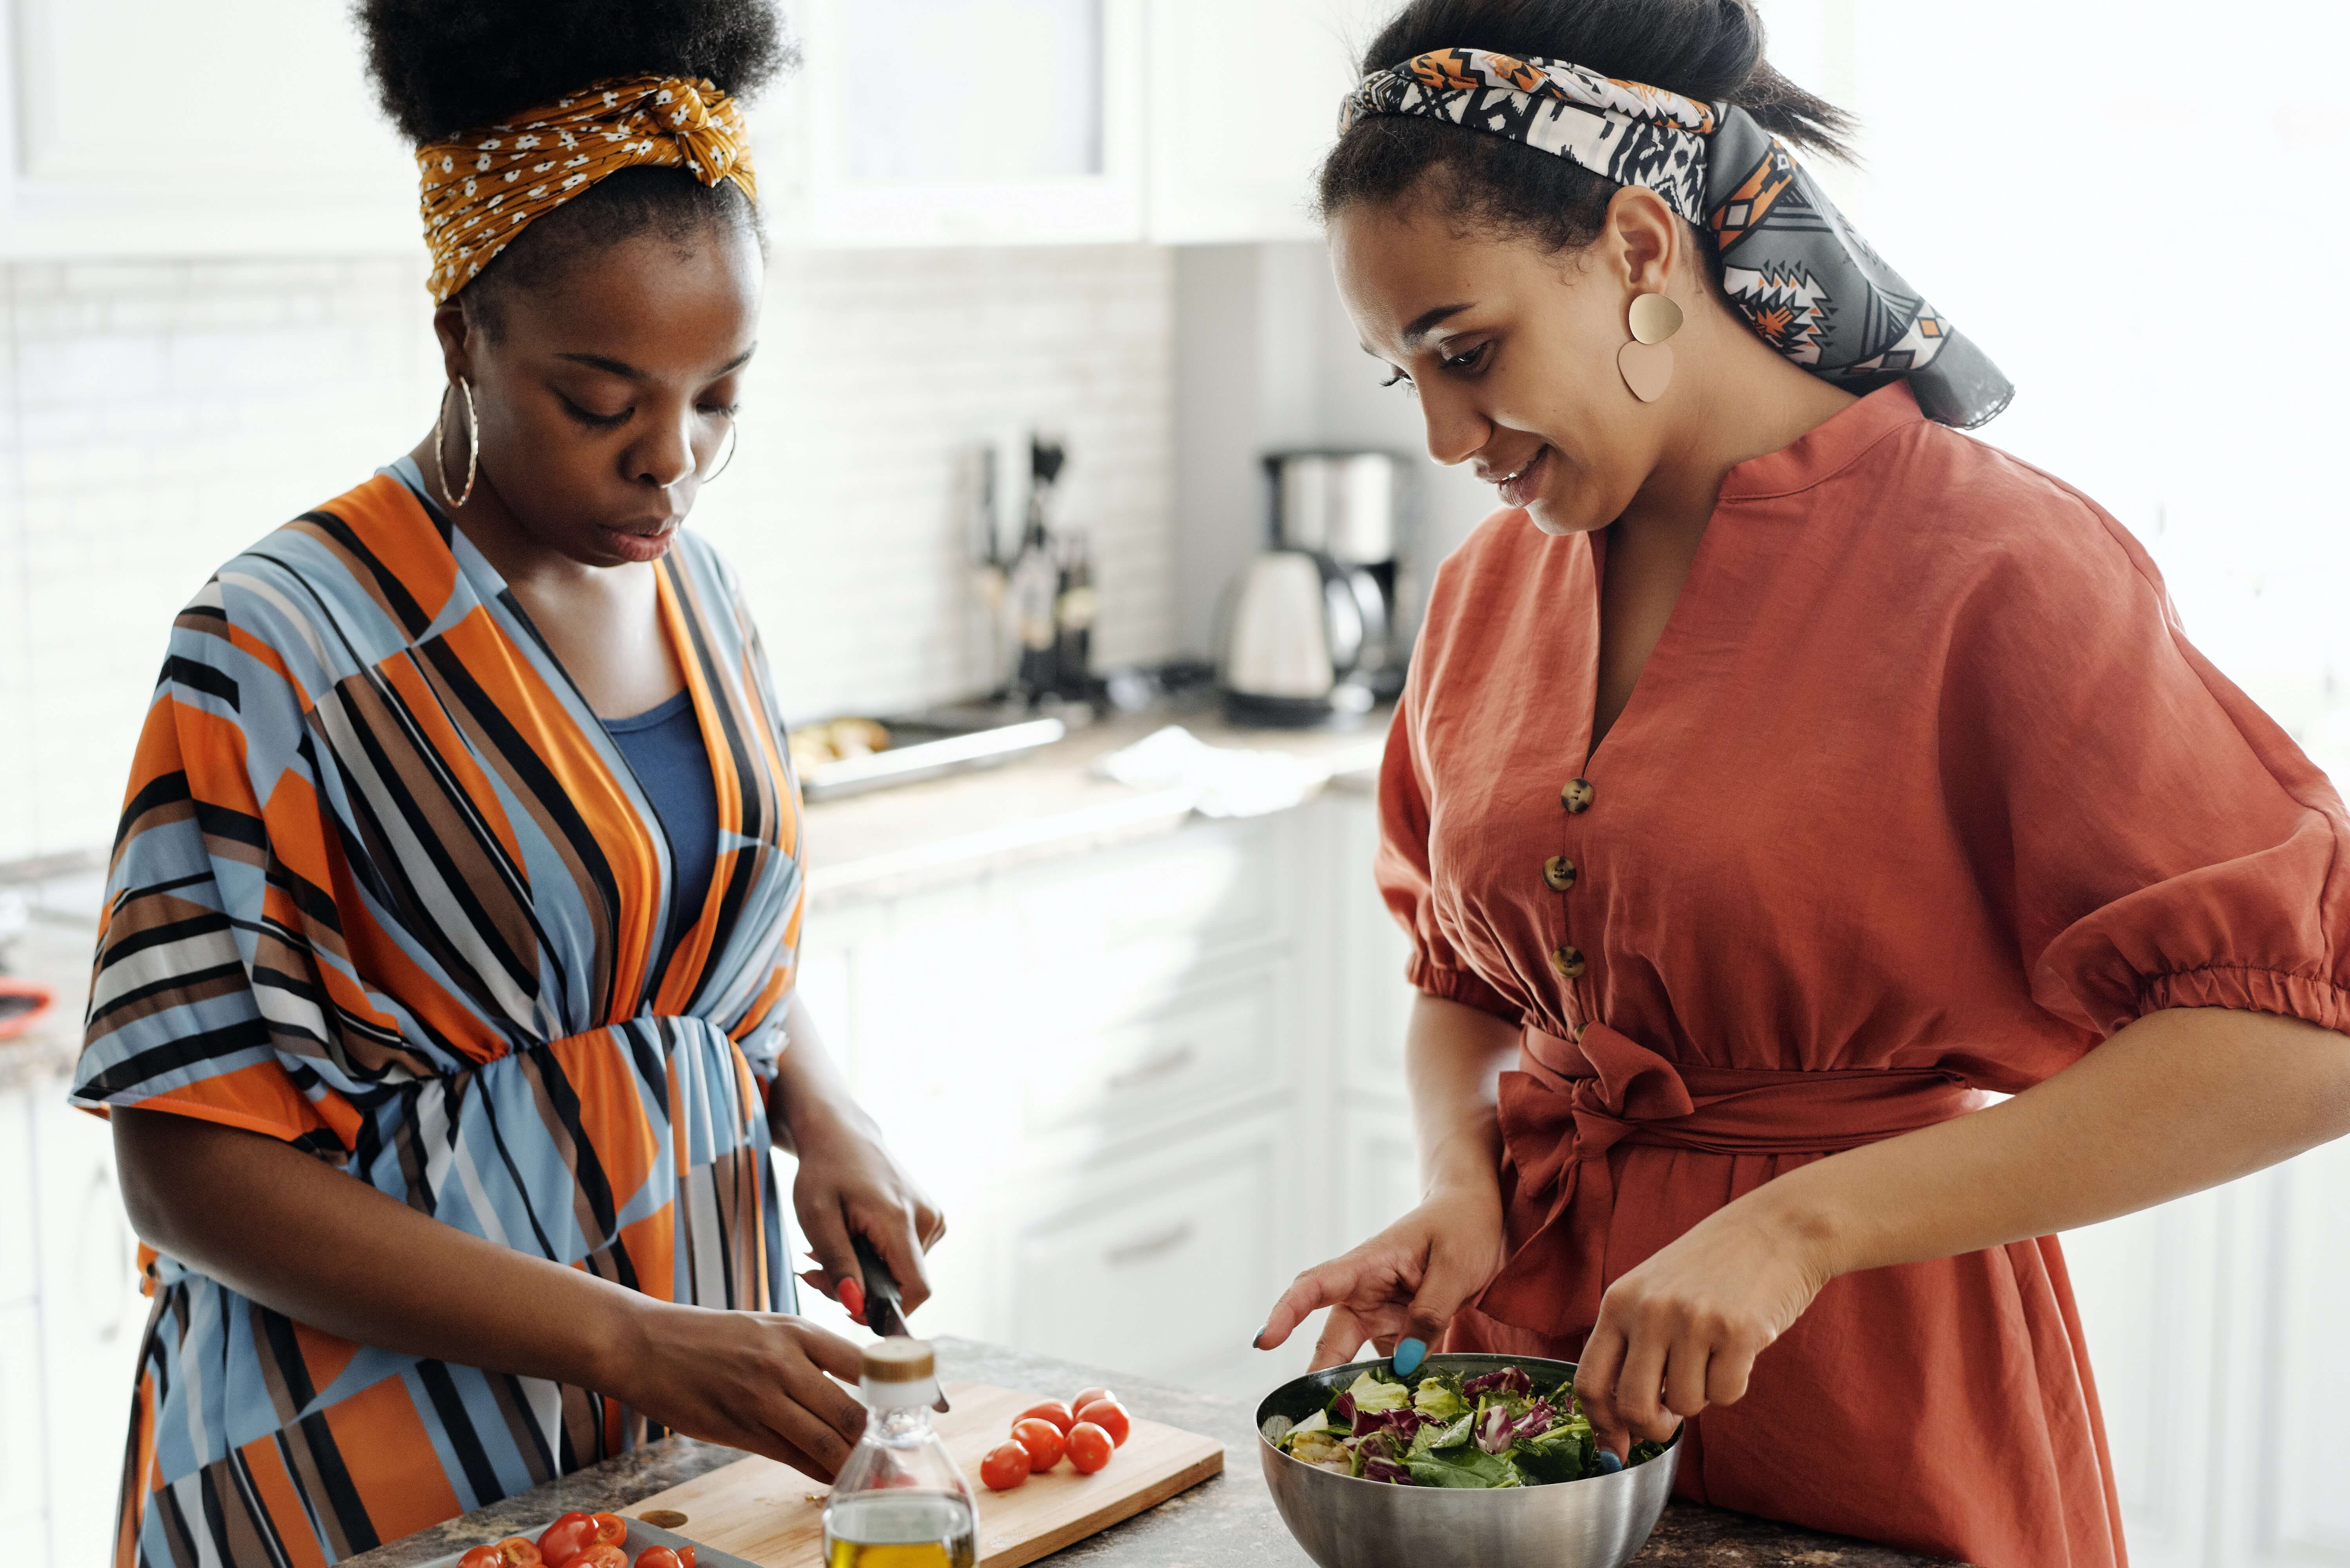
{"points": [[197, 1005], [2154, 839], [1402, 868]]}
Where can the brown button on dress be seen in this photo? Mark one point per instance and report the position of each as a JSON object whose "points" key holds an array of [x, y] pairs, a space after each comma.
{"points": [[1921, 793]]}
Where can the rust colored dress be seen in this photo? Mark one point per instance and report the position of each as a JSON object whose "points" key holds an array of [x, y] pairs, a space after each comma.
{"points": [[1922, 793]]}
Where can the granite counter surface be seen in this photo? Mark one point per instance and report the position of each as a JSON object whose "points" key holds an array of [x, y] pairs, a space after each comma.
{"points": [[1226, 1522]]}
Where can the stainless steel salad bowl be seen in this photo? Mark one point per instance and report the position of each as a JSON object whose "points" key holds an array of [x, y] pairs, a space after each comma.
{"points": [[1345, 1523]]}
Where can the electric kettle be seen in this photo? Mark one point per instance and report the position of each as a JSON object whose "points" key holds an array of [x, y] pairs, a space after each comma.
{"points": [[1293, 626]]}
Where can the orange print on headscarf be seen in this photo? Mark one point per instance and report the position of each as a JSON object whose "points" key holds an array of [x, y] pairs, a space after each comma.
{"points": [[483, 187]]}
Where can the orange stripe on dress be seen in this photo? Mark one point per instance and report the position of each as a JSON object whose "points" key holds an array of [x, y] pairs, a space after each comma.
{"points": [[385, 516], [260, 1098], [611, 1110], [390, 1457], [685, 970], [448, 747], [281, 1502], [544, 725]]}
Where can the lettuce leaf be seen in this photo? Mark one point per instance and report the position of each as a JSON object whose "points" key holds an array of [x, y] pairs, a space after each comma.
{"points": [[1468, 1466], [1371, 1393], [1437, 1397]]}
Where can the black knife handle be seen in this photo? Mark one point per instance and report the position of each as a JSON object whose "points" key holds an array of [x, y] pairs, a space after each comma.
{"points": [[883, 1314]]}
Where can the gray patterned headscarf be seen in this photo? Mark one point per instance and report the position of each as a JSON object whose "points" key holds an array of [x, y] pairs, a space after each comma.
{"points": [[1810, 286]]}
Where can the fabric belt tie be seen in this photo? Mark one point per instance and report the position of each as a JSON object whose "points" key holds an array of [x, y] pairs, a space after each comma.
{"points": [[1570, 1101]]}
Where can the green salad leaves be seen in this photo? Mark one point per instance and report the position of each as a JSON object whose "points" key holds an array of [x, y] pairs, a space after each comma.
{"points": [[1438, 1429]]}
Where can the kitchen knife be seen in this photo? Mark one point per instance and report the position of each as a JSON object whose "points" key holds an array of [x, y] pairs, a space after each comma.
{"points": [[883, 1313]]}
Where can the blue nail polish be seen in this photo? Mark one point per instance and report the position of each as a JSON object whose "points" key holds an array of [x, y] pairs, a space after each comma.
{"points": [[1408, 1354], [1608, 1463]]}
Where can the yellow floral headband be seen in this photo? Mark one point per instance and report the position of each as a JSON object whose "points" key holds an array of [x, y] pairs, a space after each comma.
{"points": [[483, 187]]}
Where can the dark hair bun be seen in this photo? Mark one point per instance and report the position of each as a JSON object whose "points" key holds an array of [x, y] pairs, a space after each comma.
{"points": [[445, 66], [1710, 50]]}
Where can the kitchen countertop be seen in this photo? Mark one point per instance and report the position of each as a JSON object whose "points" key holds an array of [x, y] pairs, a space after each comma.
{"points": [[1045, 805], [1226, 1520]]}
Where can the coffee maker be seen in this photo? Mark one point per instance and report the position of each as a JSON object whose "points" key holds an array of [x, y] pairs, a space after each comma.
{"points": [[1312, 629]]}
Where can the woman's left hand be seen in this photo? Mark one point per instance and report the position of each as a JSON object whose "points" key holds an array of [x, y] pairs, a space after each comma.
{"points": [[1682, 1330], [849, 1183]]}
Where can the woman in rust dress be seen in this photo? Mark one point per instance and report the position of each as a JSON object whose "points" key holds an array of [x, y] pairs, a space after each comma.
{"points": [[1783, 777]]}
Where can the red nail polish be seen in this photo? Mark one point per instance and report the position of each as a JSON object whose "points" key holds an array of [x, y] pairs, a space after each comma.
{"points": [[852, 1296]]}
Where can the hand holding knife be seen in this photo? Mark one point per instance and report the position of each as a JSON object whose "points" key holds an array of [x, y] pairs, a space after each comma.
{"points": [[883, 1313]]}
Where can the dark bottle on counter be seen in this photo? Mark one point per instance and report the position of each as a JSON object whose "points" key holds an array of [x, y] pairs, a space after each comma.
{"points": [[1074, 613], [1035, 583]]}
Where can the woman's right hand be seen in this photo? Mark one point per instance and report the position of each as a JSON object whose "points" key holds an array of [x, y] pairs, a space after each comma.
{"points": [[750, 1380], [1403, 1284]]}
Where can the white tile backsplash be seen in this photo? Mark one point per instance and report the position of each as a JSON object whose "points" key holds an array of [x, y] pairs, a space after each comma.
{"points": [[156, 418]]}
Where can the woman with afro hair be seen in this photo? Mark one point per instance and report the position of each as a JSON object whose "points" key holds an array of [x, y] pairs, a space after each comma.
{"points": [[443, 1007]]}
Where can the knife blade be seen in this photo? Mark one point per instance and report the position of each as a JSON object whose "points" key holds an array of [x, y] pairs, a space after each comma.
{"points": [[883, 1315]]}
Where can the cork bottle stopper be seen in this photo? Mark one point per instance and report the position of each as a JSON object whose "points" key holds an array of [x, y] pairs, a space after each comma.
{"points": [[899, 1360]]}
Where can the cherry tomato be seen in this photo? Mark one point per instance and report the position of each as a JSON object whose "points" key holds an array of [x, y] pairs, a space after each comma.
{"points": [[1042, 1440], [1089, 1448], [611, 1530], [566, 1538], [1051, 1410], [656, 1557], [685, 1553], [603, 1554], [1006, 1467], [1090, 1396], [1110, 1416], [482, 1557], [519, 1552]]}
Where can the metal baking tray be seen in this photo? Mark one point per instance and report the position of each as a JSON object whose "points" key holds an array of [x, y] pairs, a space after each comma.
{"points": [[928, 745], [640, 1535]]}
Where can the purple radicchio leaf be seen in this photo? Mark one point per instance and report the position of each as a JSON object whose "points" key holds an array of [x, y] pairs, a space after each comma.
{"points": [[1343, 1411], [1387, 1471], [1533, 1423], [1508, 1380], [1404, 1423], [1493, 1431]]}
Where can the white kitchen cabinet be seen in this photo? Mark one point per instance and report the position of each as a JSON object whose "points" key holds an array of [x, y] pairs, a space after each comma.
{"points": [[927, 122], [19, 1277], [1244, 99], [24, 1469], [92, 1314], [237, 127]]}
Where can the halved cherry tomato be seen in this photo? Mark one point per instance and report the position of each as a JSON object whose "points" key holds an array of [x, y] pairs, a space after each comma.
{"points": [[484, 1556], [1089, 1448], [566, 1538], [519, 1552], [656, 1557], [1088, 1397], [685, 1553], [1006, 1467], [1042, 1440], [1051, 1410], [603, 1554], [1110, 1416], [611, 1530]]}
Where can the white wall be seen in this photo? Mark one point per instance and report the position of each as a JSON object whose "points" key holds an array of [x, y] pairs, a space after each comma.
{"points": [[157, 418]]}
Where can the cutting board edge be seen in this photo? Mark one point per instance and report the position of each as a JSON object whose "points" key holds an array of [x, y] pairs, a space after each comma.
{"points": [[1208, 1464]]}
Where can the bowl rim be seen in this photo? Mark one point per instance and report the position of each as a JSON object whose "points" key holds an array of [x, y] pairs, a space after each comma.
{"points": [[1473, 1356]]}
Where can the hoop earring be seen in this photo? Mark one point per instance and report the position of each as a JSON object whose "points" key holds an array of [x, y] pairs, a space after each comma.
{"points": [[1646, 362], [734, 440], [473, 446]]}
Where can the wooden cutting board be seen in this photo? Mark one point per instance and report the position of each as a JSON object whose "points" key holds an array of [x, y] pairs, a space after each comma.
{"points": [[773, 1516]]}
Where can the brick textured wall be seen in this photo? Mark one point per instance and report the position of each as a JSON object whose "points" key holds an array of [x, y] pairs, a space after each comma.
{"points": [[157, 418]]}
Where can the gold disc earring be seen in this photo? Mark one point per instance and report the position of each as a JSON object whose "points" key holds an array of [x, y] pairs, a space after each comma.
{"points": [[1647, 362]]}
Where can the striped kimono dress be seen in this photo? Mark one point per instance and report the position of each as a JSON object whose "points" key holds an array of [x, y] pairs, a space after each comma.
{"points": [[386, 889]]}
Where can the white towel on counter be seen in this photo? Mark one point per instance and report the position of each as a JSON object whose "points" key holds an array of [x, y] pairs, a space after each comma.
{"points": [[1225, 781]]}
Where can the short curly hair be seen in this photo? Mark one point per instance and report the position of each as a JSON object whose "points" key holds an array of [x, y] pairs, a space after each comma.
{"points": [[446, 66]]}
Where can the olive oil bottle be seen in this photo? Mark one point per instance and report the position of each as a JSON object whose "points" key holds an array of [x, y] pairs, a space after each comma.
{"points": [[902, 1501]]}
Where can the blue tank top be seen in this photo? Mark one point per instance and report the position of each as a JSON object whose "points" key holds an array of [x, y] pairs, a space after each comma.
{"points": [[663, 748]]}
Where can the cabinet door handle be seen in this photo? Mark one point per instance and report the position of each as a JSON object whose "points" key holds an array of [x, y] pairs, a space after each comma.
{"points": [[1165, 1064], [1150, 1247]]}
